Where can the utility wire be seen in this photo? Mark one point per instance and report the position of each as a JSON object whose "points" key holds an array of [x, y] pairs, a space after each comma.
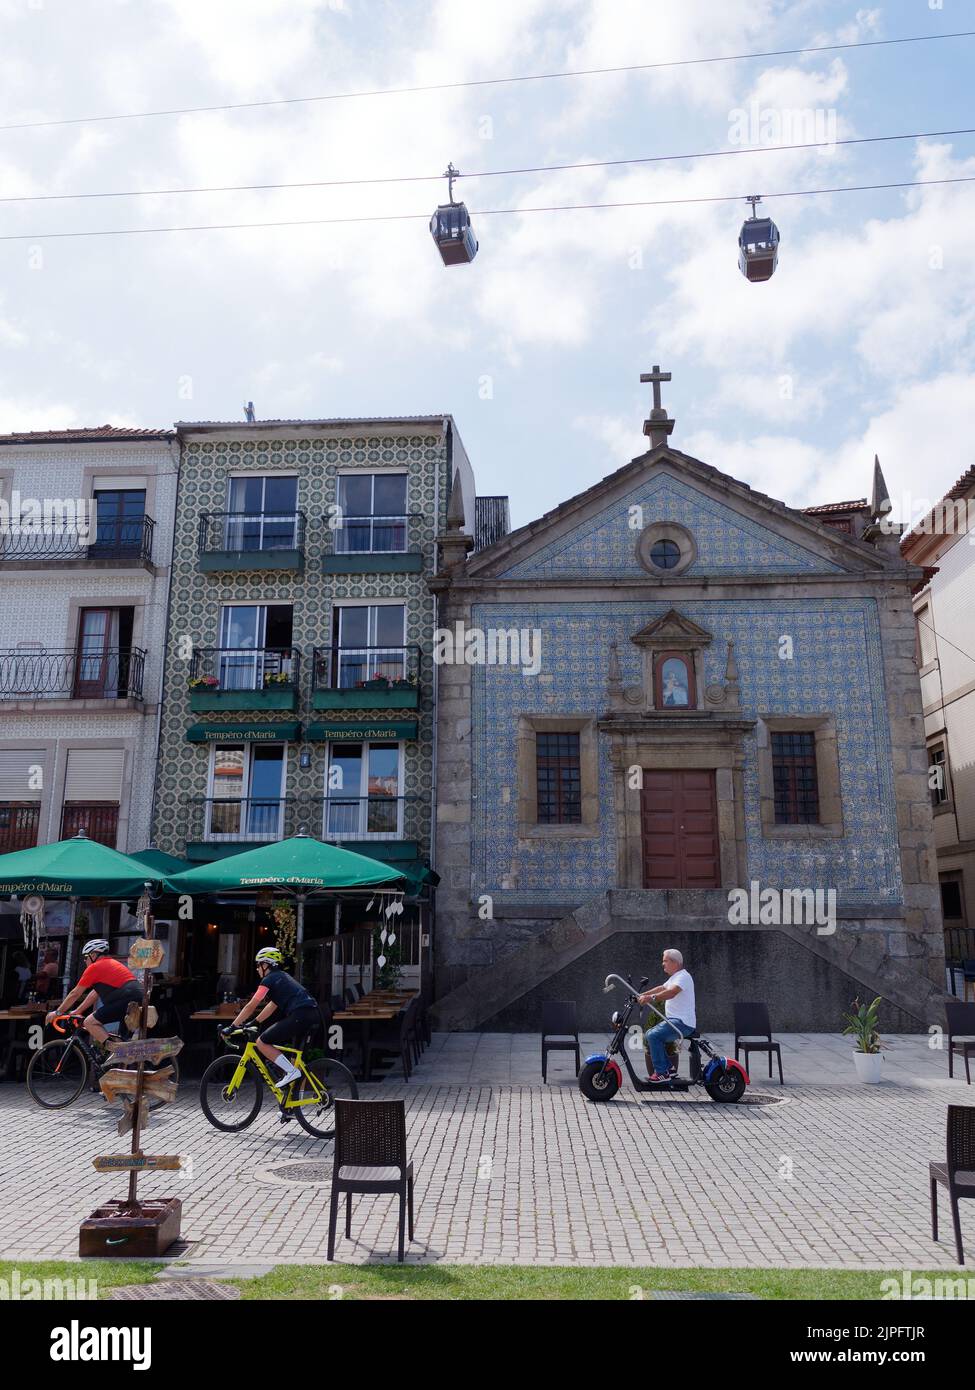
{"points": [[482, 212], [488, 81], [480, 174]]}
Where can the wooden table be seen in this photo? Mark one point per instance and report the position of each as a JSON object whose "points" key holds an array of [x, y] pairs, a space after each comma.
{"points": [[380, 1012], [224, 1014]]}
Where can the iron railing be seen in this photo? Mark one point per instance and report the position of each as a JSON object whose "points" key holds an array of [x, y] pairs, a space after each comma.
{"points": [[246, 668], [19, 826], [257, 532], [115, 673], [959, 943], [334, 817], [346, 668], [115, 539], [371, 535], [98, 819]]}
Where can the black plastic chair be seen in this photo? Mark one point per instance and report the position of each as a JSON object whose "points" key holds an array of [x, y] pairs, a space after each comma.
{"points": [[337, 1003], [957, 1173], [560, 1032], [370, 1157], [961, 1036], [753, 1033]]}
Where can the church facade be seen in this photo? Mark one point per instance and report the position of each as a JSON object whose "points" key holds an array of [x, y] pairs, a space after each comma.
{"points": [[674, 712]]}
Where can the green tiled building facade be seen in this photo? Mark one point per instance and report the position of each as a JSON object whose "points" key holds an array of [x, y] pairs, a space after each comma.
{"points": [[299, 683]]}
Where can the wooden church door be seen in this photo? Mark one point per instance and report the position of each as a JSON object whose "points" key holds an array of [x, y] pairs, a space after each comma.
{"points": [[679, 814]]}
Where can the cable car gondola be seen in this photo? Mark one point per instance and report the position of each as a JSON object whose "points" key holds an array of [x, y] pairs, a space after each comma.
{"points": [[450, 227], [758, 246]]}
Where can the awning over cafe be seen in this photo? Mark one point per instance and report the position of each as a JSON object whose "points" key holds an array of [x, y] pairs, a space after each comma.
{"points": [[248, 733], [344, 732]]}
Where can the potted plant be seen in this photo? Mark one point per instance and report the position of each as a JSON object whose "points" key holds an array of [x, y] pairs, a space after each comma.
{"points": [[405, 682], [376, 683], [204, 683], [861, 1025], [276, 678]]}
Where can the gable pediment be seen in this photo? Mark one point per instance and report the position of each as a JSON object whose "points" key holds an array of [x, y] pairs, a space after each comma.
{"points": [[735, 530], [672, 630]]}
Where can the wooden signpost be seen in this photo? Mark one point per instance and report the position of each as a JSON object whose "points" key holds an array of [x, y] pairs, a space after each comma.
{"points": [[133, 1227], [146, 1049], [158, 1085], [138, 1163], [133, 1016]]}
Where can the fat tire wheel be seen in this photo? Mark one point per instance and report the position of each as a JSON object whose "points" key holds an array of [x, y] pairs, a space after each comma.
{"points": [[728, 1088], [40, 1073], [596, 1087], [340, 1084], [250, 1093]]}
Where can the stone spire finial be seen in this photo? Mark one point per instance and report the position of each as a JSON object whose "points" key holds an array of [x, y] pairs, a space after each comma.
{"points": [[455, 507], [659, 425], [455, 542], [880, 503], [732, 697]]}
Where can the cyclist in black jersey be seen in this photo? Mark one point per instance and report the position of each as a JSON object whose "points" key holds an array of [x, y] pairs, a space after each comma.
{"points": [[279, 993]]}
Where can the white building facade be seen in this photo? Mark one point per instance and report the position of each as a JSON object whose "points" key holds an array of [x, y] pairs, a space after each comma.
{"points": [[943, 543], [86, 528]]}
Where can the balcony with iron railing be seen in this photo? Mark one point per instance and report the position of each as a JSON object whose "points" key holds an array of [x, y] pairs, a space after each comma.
{"points": [[19, 825], [390, 828], [117, 542], [98, 819], [242, 541], [114, 673], [372, 544], [245, 678], [366, 677]]}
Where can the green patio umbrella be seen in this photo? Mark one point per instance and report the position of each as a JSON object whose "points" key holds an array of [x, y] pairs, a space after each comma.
{"points": [[162, 865], [75, 868], [300, 865]]}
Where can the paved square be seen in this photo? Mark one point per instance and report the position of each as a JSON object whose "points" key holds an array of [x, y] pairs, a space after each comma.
{"points": [[510, 1171]]}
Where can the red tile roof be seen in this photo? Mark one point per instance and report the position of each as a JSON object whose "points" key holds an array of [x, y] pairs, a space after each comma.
{"points": [[93, 432], [858, 506]]}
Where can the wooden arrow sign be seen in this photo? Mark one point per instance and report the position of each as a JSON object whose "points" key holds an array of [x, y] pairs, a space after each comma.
{"points": [[127, 1122], [146, 954], [161, 1084], [133, 1016], [145, 1049], [137, 1163]]}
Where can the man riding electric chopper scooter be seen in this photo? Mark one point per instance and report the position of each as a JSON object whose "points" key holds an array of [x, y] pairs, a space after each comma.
{"points": [[723, 1078]]}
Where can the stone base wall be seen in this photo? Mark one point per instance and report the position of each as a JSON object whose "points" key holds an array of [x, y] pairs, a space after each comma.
{"points": [[804, 993]]}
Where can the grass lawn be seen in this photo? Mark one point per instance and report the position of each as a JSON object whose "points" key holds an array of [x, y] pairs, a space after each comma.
{"points": [[486, 1282]]}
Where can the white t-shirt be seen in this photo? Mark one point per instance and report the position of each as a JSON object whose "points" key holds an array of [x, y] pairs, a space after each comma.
{"points": [[683, 1005]]}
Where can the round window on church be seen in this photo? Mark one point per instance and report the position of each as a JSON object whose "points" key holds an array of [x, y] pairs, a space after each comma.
{"points": [[666, 549], [665, 554]]}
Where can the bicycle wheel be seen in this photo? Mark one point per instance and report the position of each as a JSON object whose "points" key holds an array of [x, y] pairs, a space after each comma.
{"points": [[317, 1115], [230, 1112], [57, 1074]]}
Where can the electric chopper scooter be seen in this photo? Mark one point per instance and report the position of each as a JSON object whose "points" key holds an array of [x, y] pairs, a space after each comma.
{"points": [[723, 1078]]}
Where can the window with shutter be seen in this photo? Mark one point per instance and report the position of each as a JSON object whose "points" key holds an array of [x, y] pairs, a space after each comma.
{"points": [[21, 787], [92, 792]]}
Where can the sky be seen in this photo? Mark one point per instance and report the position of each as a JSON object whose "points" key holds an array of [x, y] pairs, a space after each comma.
{"points": [[861, 344]]}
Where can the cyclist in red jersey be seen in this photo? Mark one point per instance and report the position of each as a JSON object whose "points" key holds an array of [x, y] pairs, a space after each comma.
{"points": [[105, 982]]}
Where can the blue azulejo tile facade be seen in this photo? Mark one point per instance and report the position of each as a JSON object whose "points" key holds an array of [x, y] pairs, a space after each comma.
{"points": [[836, 669], [728, 543]]}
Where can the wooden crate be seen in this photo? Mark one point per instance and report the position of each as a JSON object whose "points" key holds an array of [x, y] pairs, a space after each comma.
{"points": [[115, 1229]]}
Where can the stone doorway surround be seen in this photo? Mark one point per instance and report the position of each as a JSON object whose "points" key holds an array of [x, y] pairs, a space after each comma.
{"points": [[708, 742]]}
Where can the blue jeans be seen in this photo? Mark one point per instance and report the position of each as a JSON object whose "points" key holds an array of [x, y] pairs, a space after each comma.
{"points": [[661, 1034]]}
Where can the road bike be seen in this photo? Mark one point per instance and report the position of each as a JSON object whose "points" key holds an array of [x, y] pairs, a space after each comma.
{"points": [[60, 1070], [232, 1087]]}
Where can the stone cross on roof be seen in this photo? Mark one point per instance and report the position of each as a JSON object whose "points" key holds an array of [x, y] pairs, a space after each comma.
{"points": [[659, 425]]}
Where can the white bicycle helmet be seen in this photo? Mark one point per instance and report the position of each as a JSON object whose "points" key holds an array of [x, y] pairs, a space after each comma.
{"points": [[97, 946]]}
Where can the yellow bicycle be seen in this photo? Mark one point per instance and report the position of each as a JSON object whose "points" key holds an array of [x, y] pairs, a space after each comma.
{"points": [[232, 1087]]}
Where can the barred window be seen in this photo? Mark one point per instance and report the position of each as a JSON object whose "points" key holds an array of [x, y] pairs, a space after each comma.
{"points": [[559, 778], [794, 778]]}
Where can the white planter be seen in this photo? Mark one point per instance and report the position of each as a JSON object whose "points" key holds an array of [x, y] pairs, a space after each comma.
{"points": [[869, 1065]]}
